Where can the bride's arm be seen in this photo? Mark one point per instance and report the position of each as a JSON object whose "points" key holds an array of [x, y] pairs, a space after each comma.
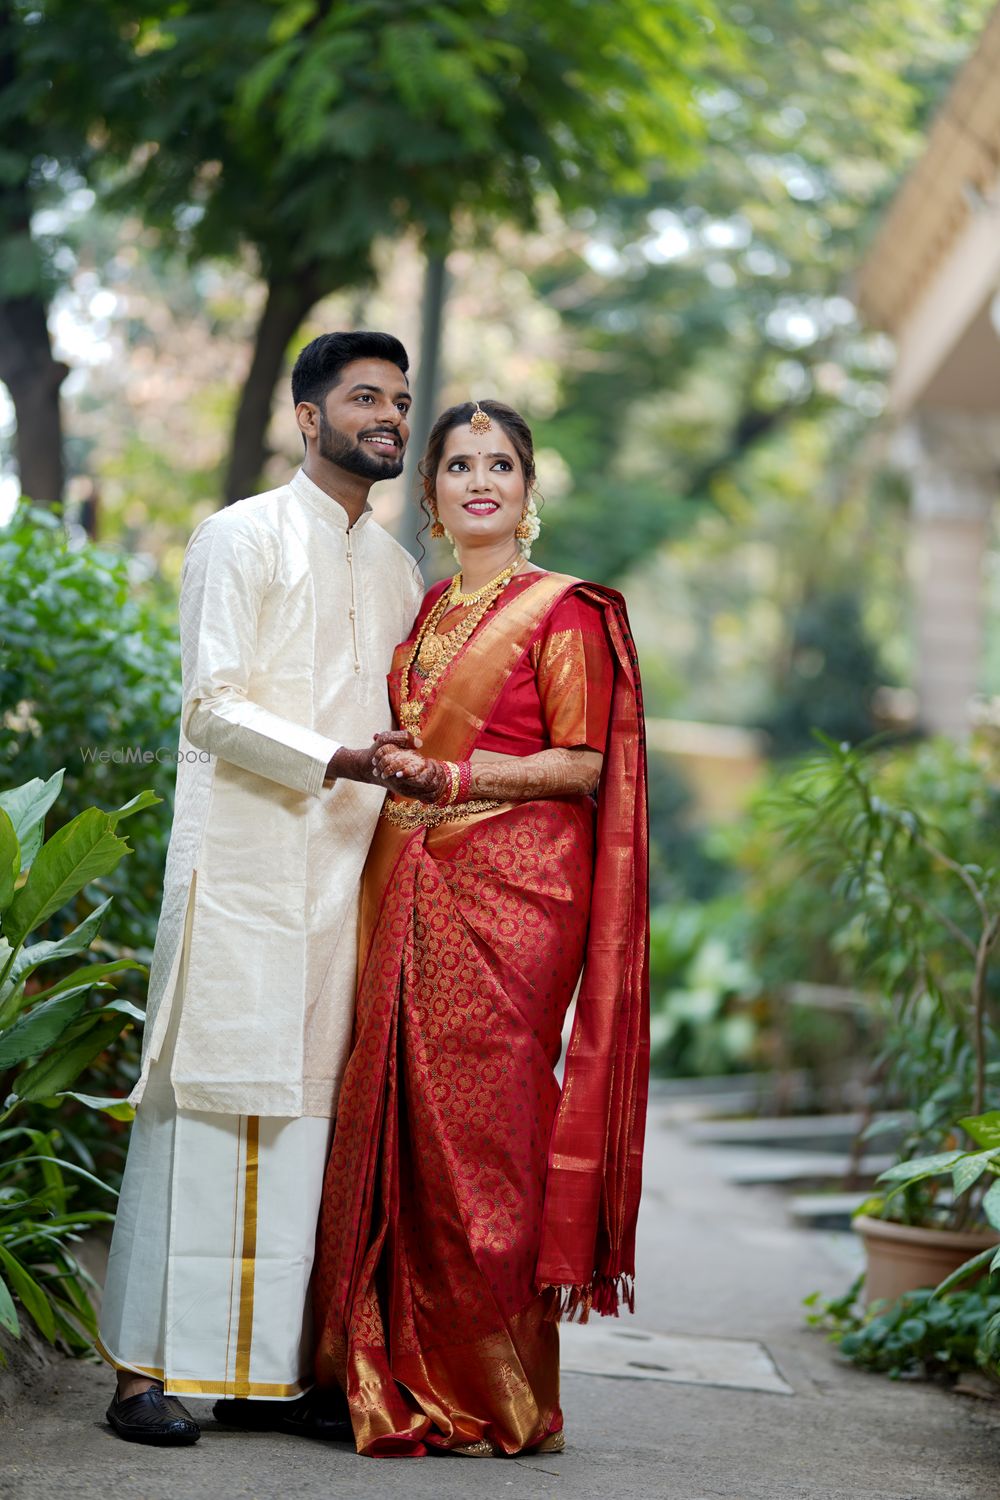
{"points": [[549, 773]]}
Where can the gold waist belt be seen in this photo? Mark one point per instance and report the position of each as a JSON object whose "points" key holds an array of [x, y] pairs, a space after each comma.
{"points": [[424, 815]]}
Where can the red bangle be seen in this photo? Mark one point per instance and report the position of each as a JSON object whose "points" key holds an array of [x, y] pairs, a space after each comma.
{"points": [[464, 780]]}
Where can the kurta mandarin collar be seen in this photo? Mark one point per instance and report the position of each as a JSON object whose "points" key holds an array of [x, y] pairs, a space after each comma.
{"points": [[327, 505]]}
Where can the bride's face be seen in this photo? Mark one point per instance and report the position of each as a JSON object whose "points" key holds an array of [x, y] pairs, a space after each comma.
{"points": [[480, 486]]}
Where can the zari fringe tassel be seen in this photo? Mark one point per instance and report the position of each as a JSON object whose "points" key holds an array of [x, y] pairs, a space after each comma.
{"points": [[604, 1295]]}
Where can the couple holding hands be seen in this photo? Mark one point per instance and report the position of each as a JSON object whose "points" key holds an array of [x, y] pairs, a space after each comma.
{"points": [[357, 1202]]}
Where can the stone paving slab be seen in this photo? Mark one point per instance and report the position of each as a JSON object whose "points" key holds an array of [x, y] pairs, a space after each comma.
{"points": [[610, 1349]]}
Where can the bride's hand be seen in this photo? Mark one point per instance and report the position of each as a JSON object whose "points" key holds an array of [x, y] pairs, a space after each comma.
{"points": [[410, 774]]}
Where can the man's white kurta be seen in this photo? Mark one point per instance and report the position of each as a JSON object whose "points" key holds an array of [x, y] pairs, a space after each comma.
{"points": [[288, 622]]}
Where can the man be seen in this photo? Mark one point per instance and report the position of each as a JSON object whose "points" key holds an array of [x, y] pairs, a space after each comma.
{"points": [[291, 604]]}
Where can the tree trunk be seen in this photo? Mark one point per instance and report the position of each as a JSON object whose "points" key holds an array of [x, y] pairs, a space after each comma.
{"points": [[425, 394], [33, 379], [27, 367], [288, 302]]}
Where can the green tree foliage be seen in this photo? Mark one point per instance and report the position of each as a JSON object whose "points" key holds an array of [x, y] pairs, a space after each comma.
{"points": [[712, 312], [306, 130], [828, 678], [89, 674]]}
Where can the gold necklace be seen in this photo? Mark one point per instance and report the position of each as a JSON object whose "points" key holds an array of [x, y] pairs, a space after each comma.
{"points": [[431, 653], [473, 598]]}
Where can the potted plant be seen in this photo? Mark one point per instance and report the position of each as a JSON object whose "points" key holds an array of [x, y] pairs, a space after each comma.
{"points": [[957, 1231], [909, 842]]}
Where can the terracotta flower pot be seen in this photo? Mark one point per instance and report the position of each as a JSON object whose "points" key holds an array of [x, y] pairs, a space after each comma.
{"points": [[903, 1257]]}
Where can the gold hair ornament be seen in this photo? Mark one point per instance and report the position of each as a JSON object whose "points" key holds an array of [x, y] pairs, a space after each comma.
{"points": [[480, 420]]}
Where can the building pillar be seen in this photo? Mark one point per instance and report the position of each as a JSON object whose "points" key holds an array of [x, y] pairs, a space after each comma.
{"points": [[953, 460]]}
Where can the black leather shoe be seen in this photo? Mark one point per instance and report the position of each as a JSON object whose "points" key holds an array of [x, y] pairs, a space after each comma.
{"points": [[317, 1414], [152, 1417]]}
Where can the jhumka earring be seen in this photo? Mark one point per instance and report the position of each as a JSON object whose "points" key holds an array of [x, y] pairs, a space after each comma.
{"points": [[480, 420], [523, 530], [437, 530]]}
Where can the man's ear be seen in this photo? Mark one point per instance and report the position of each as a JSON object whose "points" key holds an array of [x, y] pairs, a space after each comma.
{"points": [[307, 419]]}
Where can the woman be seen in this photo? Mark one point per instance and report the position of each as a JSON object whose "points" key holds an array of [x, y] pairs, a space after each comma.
{"points": [[468, 1206]]}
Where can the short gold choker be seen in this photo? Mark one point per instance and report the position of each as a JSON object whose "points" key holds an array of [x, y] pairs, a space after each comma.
{"points": [[455, 591]]}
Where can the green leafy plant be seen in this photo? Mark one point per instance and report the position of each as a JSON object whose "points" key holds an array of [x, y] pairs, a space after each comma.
{"points": [[49, 1034], [90, 680], [702, 1020], [923, 1333], [905, 845], [90, 668], [38, 1227]]}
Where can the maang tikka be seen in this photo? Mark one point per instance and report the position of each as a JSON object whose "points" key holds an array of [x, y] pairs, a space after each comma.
{"points": [[480, 420]]}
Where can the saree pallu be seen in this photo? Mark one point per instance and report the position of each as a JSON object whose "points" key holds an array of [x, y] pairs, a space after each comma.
{"points": [[467, 1203]]}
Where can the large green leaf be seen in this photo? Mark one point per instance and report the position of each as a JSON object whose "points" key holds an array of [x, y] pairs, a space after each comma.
{"points": [[8, 1312], [970, 1169], [54, 1074], [977, 1263], [71, 1166], [28, 960], [41, 1027], [30, 1293], [126, 1008], [79, 982], [26, 807], [924, 1166], [82, 851], [984, 1129], [10, 859], [118, 1109], [138, 803], [82, 988], [991, 1205], [91, 974]]}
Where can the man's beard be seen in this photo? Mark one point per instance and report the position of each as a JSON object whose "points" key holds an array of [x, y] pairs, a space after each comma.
{"points": [[337, 448]]}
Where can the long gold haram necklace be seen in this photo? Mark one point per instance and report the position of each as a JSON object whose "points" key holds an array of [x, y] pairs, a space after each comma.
{"points": [[432, 653]]}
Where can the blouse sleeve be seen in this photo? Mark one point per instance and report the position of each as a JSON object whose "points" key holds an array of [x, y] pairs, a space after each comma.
{"points": [[574, 670]]}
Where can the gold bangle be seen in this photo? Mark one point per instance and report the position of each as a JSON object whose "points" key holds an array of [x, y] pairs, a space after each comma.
{"points": [[455, 777]]}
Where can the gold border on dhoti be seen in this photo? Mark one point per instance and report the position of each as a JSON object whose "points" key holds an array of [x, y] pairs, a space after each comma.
{"points": [[219, 1388], [244, 1333]]}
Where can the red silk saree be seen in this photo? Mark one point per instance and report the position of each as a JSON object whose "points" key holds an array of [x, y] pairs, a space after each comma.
{"points": [[469, 1203]]}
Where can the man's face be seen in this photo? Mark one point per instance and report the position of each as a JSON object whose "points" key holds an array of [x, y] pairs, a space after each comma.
{"points": [[362, 425]]}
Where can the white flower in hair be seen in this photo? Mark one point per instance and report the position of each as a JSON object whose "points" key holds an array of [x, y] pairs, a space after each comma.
{"points": [[532, 523]]}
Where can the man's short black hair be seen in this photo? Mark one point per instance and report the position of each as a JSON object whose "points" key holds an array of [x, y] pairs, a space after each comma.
{"points": [[319, 364]]}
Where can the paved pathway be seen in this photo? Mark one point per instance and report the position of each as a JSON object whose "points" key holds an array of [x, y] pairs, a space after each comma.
{"points": [[717, 1262]]}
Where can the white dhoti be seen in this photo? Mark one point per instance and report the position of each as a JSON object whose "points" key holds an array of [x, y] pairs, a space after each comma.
{"points": [[208, 1279], [207, 1286]]}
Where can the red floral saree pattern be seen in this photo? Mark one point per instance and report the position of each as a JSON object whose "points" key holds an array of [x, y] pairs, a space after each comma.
{"points": [[442, 1188]]}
